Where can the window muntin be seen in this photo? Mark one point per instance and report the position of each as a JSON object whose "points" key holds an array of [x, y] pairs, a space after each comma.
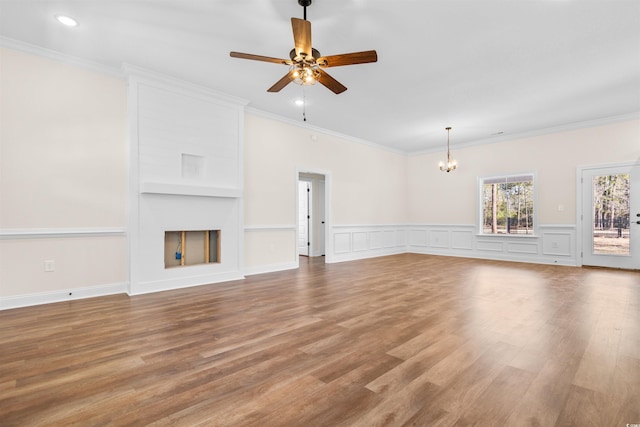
{"points": [[507, 205]]}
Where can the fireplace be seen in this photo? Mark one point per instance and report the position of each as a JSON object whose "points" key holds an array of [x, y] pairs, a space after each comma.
{"points": [[185, 184]]}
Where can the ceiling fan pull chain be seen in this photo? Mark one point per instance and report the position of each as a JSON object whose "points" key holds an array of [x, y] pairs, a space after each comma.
{"points": [[304, 105]]}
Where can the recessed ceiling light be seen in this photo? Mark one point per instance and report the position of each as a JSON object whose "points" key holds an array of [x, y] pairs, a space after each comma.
{"points": [[67, 20], [299, 102]]}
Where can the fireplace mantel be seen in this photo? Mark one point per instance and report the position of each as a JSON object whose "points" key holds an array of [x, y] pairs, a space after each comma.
{"points": [[189, 190]]}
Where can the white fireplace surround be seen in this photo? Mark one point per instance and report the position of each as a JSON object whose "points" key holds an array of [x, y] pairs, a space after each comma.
{"points": [[186, 174]]}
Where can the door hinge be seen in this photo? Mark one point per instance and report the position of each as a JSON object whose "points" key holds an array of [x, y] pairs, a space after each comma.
{"points": [[308, 243]]}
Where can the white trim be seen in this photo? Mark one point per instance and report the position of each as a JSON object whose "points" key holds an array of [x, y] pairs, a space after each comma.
{"points": [[170, 83], [328, 247], [324, 131], [184, 282], [479, 202], [555, 244], [189, 190], [272, 268], [352, 242], [60, 57], [284, 227], [62, 295], [537, 132], [580, 171], [57, 233]]}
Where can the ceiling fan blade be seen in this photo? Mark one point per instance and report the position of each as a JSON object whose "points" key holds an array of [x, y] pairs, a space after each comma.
{"points": [[280, 84], [348, 59], [331, 83], [301, 36], [259, 58]]}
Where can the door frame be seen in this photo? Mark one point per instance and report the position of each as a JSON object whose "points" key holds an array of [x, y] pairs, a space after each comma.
{"points": [[328, 248], [580, 214], [309, 236]]}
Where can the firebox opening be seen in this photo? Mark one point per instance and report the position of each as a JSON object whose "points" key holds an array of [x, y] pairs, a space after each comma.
{"points": [[192, 247]]}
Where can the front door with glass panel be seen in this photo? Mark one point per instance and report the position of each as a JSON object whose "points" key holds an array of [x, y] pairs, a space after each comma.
{"points": [[611, 216]]}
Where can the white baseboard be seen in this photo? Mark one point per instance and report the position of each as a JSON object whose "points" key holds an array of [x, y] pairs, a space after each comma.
{"points": [[183, 282], [272, 268], [62, 295]]}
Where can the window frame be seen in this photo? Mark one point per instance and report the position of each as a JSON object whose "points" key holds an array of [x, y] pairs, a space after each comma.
{"points": [[505, 177]]}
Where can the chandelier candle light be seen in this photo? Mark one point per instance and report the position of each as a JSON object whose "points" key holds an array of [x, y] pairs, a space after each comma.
{"points": [[451, 164]]}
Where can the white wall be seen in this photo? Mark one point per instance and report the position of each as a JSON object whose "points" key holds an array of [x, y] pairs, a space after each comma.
{"points": [[186, 174], [63, 175]]}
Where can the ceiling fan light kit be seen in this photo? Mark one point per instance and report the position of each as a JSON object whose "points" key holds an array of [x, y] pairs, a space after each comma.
{"points": [[306, 64]]}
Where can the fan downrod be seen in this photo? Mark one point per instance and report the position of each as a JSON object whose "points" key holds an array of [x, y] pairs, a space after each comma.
{"points": [[304, 4]]}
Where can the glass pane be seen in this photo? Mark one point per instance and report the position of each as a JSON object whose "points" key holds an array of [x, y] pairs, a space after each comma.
{"points": [[507, 207], [611, 214]]}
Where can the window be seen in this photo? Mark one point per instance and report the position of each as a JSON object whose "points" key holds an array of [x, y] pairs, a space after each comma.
{"points": [[507, 205]]}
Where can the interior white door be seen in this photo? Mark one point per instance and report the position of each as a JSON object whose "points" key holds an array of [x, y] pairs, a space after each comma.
{"points": [[304, 190], [611, 216]]}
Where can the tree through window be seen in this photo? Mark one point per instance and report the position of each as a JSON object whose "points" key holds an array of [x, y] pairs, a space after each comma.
{"points": [[507, 205]]}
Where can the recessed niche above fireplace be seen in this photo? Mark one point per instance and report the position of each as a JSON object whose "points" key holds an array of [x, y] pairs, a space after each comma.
{"points": [[185, 248]]}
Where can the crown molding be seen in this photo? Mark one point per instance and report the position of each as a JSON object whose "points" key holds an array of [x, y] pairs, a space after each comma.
{"points": [[324, 131], [150, 76], [21, 46], [538, 132]]}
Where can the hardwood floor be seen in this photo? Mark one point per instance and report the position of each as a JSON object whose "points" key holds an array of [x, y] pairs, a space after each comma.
{"points": [[401, 340]]}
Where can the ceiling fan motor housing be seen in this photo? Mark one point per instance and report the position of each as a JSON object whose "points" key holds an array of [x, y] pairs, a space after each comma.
{"points": [[304, 3]]}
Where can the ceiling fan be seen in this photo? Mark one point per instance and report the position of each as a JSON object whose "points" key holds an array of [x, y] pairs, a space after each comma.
{"points": [[306, 64]]}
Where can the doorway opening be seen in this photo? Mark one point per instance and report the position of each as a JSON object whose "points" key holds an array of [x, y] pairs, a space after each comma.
{"points": [[311, 215]]}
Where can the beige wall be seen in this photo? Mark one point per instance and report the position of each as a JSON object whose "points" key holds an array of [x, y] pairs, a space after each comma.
{"points": [[436, 197], [63, 169], [367, 185]]}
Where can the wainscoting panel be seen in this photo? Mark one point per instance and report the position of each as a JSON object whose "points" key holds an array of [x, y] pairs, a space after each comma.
{"points": [[522, 248], [418, 238], [360, 241], [440, 238], [376, 239], [342, 243], [558, 243], [462, 239], [390, 239], [353, 242], [489, 246], [553, 244]]}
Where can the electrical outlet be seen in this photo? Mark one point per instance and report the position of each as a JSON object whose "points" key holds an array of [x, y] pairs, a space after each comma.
{"points": [[49, 265]]}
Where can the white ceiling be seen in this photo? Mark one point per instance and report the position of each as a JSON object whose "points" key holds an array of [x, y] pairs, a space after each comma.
{"points": [[483, 67]]}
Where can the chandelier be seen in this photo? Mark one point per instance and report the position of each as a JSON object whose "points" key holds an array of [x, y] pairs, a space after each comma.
{"points": [[451, 164]]}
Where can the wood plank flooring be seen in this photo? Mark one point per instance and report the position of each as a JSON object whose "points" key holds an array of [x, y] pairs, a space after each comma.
{"points": [[406, 340]]}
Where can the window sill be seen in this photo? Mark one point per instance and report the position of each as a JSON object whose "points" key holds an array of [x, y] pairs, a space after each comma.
{"points": [[510, 236]]}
